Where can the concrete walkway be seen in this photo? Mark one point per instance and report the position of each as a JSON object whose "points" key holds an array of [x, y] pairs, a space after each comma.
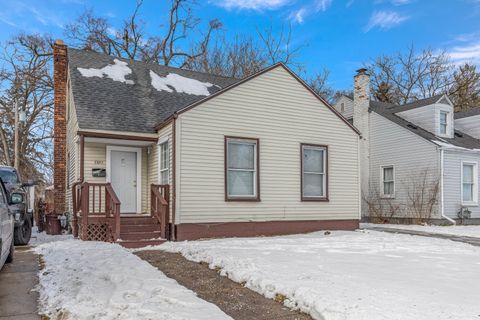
{"points": [[470, 240], [17, 300]]}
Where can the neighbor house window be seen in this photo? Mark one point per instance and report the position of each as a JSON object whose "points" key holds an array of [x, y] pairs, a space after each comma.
{"points": [[443, 122], [164, 162], [314, 172], [241, 169], [388, 181], [469, 183]]}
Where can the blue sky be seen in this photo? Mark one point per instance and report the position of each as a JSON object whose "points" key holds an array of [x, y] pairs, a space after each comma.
{"points": [[336, 34]]}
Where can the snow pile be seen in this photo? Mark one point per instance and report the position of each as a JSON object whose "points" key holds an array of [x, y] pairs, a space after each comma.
{"points": [[116, 71], [362, 275], [41, 237], [98, 280], [180, 84], [469, 231]]}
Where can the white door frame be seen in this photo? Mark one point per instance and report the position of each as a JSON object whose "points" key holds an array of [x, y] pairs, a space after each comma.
{"points": [[139, 169]]}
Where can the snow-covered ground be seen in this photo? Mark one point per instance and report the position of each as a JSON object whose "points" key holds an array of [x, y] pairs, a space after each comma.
{"points": [[352, 275], [98, 280], [469, 231], [42, 237]]}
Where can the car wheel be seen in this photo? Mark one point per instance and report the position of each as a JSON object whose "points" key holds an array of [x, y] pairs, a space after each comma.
{"points": [[23, 233], [10, 254]]}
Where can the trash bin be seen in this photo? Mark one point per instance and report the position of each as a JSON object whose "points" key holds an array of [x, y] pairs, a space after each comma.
{"points": [[53, 224]]}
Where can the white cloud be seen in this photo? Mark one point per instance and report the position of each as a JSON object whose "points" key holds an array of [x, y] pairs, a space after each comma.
{"points": [[384, 20], [299, 15], [401, 2], [467, 53], [251, 4]]}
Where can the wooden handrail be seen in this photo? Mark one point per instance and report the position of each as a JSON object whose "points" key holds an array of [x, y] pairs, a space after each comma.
{"points": [[160, 196]]}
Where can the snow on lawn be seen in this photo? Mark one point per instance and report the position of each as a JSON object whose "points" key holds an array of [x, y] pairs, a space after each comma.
{"points": [[116, 71], [469, 231], [180, 84], [98, 280], [352, 275]]}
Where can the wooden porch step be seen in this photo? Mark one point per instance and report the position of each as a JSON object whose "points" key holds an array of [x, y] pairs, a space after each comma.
{"points": [[138, 220], [139, 235], [130, 244], [127, 228]]}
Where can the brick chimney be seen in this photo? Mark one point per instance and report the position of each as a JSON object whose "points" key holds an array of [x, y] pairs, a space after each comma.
{"points": [[361, 119], [60, 62]]}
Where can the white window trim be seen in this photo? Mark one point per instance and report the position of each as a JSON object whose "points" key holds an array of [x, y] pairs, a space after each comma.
{"points": [[255, 173], [382, 180], [160, 142], [449, 129], [475, 183], [138, 151], [325, 173]]}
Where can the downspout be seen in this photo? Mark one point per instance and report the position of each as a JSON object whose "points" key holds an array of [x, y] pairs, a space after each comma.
{"points": [[442, 201]]}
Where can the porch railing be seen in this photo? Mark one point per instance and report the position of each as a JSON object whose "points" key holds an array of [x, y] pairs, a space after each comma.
{"points": [[96, 211], [160, 208]]}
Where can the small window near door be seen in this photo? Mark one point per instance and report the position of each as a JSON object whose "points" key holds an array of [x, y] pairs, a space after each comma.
{"points": [[469, 183], [443, 122], [314, 172], [164, 162], [388, 181], [241, 169]]}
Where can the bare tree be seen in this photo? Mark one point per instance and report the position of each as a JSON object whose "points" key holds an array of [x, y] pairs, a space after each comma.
{"points": [[408, 76], [26, 78], [319, 84], [422, 191], [465, 91], [171, 46]]}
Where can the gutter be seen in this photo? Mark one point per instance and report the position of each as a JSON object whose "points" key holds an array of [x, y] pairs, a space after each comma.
{"points": [[442, 201]]}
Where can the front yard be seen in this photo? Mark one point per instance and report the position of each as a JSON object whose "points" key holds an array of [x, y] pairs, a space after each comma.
{"points": [[352, 275], [339, 275]]}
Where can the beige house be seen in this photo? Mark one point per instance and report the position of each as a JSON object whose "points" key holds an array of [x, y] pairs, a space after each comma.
{"points": [[155, 153]]}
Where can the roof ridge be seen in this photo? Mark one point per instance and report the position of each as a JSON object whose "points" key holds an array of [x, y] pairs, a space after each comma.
{"points": [[151, 63]]}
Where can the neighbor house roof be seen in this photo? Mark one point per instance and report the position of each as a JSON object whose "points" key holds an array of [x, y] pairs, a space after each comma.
{"points": [[389, 111], [468, 113], [123, 95]]}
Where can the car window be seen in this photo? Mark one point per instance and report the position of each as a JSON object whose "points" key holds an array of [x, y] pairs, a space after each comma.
{"points": [[9, 176]]}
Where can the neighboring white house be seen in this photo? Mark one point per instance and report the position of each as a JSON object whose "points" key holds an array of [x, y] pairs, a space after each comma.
{"points": [[419, 160], [260, 156]]}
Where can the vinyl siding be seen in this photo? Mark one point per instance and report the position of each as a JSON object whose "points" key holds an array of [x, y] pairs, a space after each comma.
{"points": [[348, 107], [469, 125], [275, 108], [73, 161], [410, 155], [153, 161], [452, 181], [428, 117]]}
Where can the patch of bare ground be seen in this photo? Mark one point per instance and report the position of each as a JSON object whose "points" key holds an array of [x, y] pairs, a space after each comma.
{"points": [[232, 298]]}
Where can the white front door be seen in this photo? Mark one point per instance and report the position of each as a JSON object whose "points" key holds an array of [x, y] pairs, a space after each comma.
{"points": [[124, 179]]}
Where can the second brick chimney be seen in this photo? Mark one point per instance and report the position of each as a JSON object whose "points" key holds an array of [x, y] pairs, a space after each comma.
{"points": [[361, 120], [60, 64]]}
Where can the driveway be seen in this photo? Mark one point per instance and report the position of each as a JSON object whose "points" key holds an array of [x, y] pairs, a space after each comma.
{"points": [[17, 300]]}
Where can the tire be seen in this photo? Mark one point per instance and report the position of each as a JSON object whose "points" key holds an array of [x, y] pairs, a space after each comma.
{"points": [[10, 254], [23, 233]]}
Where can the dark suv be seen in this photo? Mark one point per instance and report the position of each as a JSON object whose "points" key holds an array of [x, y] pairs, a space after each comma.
{"points": [[17, 193]]}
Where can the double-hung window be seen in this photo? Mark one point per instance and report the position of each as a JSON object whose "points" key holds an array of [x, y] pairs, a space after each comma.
{"points": [[164, 148], [241, 169], [314, 172], [469, 183], [443, 122], [388, 181]]}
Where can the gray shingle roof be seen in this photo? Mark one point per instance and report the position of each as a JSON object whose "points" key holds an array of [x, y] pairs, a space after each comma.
{"points": [[389, 111], [105, 104], [468, 113]]}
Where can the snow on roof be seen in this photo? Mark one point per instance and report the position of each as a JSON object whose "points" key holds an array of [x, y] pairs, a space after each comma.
{"points": [[447, 145], [180, 84], [116, 71]]}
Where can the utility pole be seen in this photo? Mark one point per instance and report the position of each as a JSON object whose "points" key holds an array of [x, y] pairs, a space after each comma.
{"points": [[17, 151]]}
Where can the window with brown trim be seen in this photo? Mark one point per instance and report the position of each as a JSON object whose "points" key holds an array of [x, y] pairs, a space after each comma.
{"points": [[314, 172], [241, 169]]}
